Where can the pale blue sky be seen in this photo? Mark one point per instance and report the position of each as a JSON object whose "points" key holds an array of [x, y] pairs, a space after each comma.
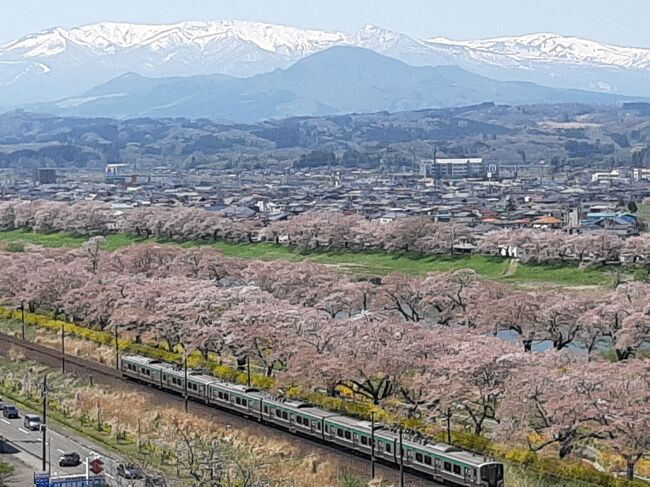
{"points": [[625, 22]]}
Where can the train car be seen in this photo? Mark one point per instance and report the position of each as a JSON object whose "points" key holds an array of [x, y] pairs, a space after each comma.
{"points": [[142, 369], [235, 397], [296, 416], [439, 461]]}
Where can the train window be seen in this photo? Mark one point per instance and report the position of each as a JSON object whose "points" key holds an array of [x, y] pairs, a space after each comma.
{"points": [[364, 440], [244, 402], [148, 372], [447, 466], [348, 435], [318, 426], [278, 413], [226, 397], [388, 447], [457, 469], [266, 410], [339, 432], [427, 460], [285, 415], [299, 419], [418, 457], [237, 400]]}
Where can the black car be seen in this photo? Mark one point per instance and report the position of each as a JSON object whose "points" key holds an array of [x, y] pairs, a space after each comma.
{"points": [[10, 411], [155, 482], [130, 472], [71, 459]]}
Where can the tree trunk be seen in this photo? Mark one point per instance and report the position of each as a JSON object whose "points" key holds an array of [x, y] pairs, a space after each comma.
{"points": [[630, 469], [623, 354]]}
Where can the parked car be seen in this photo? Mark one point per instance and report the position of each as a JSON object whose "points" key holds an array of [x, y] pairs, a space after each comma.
{"points": [[32, 422], [155, 482], [71, 459], [10, 411], [130, 472]]}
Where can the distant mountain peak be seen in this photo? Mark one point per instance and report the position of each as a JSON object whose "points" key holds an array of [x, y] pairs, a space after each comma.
{"points": [[57, 63], [118, 35], [550, 47]]}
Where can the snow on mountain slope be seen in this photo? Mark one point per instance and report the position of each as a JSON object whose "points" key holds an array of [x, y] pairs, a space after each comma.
{"points": [[555, 48], [110, 37], [59, 63]]}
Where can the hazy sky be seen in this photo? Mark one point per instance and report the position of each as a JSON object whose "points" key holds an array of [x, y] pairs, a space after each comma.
{"points": [[625, 22]]}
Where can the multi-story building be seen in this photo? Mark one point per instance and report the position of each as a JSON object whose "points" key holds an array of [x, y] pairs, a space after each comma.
{"points": [[472, 167], [44, 176]]}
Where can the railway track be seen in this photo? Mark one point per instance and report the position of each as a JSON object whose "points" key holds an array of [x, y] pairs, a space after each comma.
{"points": [[96, 372]]}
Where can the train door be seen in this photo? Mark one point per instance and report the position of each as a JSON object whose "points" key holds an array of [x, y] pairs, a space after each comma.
{"points": [[468, 475], [355, 439], [330, 431], [408, 456], [380, 447]]}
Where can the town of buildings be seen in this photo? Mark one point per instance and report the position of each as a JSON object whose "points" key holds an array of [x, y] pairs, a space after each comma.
{"points": [[468, 191]]}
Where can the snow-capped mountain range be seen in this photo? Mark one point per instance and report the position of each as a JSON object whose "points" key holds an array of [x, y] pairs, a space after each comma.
{"points": [[57, 63]]}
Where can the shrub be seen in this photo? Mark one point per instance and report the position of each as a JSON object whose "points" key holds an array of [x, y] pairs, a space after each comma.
{"points": [[640, 274]]}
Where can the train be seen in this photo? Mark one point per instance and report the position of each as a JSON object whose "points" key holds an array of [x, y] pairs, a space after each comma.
{"points": [[440, 462]]}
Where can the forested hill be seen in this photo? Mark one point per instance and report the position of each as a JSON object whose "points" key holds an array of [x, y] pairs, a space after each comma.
{"points": [[572, 134]]}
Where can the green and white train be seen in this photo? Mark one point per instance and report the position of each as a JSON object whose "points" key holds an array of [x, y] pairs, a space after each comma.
{"points": [[437, 461]]}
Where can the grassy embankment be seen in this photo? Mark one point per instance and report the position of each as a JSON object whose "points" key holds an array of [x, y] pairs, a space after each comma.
{"points": [[375, 263]]}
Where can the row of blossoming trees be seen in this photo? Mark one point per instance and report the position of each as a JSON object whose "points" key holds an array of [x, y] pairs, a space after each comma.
{"points": [[331, 230], [528, 364]]}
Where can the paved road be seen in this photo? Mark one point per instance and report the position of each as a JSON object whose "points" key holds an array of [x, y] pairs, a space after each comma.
{"points": [[60, 442]]}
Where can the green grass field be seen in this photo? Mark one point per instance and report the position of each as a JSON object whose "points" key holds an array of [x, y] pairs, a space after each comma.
{"points": [[376, 263]]}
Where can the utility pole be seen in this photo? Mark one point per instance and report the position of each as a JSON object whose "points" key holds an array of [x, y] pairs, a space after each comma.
{"points": [[45, 389], [401, 459], [248, 370], [185, 367], [22, 318], [372, 445], [117, 348], [63, 348], [449, 426]]}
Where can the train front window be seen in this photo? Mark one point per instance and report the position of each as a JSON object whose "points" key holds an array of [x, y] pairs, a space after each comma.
{"points": [[492, 474]]}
